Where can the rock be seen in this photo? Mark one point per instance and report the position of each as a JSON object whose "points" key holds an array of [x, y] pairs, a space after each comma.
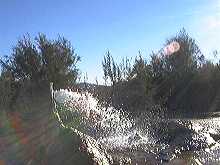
{"points": [[216, 137], [165, 155], [179, 136]]}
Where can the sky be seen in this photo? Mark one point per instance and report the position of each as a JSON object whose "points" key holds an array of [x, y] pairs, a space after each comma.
{"points": [[123, 27]]}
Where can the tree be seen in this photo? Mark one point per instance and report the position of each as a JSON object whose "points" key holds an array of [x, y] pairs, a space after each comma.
{"points": [[178, 81], [45, 60], [142, 71], [174, 72], [130, 82], [111, 70], [116, 72]]}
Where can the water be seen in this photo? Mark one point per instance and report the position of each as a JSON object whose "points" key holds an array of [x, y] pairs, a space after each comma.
{"points": [[146, 136]]}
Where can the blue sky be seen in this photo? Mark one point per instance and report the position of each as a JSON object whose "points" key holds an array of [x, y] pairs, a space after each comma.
{"points": [[122, 26]]}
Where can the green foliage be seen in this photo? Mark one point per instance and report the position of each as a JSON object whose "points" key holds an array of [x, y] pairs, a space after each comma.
{"points": [[71, 144], [8, 89], [130, 83], [172, 72], [43, 60], [142, 72], [70, 117], [115, 72], [183, 81], [202, 94]]}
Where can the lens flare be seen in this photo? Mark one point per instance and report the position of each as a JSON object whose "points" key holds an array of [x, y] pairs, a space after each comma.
{"points": [[171, 48], [2, 162]]}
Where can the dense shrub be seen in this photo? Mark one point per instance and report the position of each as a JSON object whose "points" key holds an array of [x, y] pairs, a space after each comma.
{"points": [[8, 89]]}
